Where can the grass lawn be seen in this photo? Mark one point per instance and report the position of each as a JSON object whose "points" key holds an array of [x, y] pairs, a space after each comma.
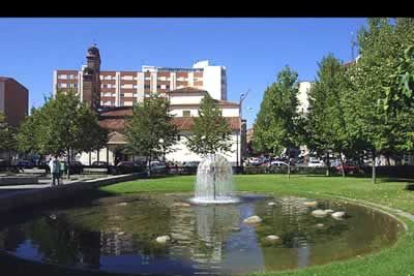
{"points": [[398, 260]]}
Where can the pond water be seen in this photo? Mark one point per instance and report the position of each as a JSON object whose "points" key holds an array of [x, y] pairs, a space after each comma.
{"points": [[118, 234]]}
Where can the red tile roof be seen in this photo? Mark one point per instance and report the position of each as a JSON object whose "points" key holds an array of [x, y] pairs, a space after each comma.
{"points": [[187, 89], [116, 112], [182, 123]]}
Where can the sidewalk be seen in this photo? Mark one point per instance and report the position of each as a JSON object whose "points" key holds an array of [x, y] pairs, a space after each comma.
{"points": [[12, 197], [45, 182]]}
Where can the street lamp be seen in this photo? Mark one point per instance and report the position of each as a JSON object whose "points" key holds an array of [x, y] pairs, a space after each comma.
{"points": [[241, 99]]}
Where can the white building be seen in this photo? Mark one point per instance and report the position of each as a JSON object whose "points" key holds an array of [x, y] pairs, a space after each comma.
{"points": [[184, 104], [303, 96]]}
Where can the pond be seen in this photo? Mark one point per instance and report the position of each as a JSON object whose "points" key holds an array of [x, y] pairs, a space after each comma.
{"points": [[118, 234]]}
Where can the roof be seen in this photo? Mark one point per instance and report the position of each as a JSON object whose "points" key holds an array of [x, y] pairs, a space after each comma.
{"points": [[116, 111], [116, 138], [187, 89], [182, 123], [4, 79]]}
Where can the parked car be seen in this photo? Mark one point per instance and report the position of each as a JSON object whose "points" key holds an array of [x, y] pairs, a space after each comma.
{"points": [[278, 163], [256, 161], [349, 168], [158, 167], [21, 163], [99, 164], [75, 167], [190, 167], [315, 162], [130, 167]]}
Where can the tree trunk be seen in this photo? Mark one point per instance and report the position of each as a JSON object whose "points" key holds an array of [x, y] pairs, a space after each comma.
{"points": [[68, 162], [374, 177], [289, 168], [343, 166], [388, 161], [327, 164], [149, 165]]}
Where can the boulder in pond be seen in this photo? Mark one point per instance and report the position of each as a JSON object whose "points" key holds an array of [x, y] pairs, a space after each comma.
{"points": [[162, 239], [319, 213], [311, 203], [252, 219], [339, 215]]}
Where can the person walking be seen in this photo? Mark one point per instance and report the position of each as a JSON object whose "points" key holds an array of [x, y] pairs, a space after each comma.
{"points": [[62, 171], [54, 170]]}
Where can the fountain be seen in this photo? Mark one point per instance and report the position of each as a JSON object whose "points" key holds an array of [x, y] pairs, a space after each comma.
{"points": [[214, 181]]}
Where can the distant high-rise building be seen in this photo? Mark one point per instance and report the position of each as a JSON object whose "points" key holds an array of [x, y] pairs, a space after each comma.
{"points": [[124, 88], [14, 101]]}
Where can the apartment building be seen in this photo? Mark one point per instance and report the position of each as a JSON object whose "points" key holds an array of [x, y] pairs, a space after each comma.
{"points": [[124, 88]]}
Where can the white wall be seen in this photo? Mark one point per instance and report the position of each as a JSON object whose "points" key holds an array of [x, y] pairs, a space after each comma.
{"points": [[304, 88], [183, 154], [84, 157], [212, 81], [140, 80], [230, 112], [185, 99], [178, 112]]}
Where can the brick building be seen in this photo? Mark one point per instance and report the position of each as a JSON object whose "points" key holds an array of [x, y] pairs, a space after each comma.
{"points": [[14, 101]]}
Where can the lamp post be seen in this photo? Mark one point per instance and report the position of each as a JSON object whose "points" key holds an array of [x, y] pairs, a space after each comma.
{"points": [[241, 99]]}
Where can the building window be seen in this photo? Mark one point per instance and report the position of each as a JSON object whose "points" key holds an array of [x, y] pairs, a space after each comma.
{"points": [[158, 86], [122, 94], [186, 113], [147, 86]]}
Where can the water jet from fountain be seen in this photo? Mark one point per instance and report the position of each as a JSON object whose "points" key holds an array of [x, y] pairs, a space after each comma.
{"points": [[214, 181]]}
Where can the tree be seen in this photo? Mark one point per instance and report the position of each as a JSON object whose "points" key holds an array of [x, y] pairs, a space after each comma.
{"points": [[150, 131], [325, 124], [26, 136], [211, 131], [278, 124], [62, 124], [382, 86], [7, 135]]}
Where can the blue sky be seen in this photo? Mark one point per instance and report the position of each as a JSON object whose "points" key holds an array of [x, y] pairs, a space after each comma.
{"points": [[252, 49]]}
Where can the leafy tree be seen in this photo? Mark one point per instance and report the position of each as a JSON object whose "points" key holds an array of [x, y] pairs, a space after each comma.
{"points": [[278, 124], [7, 135], [211, 131], [325, 124], [382, 84], [150, 131], [26, 136], [64, 124]]}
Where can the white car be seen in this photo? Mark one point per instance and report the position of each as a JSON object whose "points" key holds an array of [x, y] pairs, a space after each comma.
{"points": [[315, 162], [278, 163], [256, 161]]}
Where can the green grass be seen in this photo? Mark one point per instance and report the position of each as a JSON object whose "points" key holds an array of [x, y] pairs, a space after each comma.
{"points": [[398, 260]]}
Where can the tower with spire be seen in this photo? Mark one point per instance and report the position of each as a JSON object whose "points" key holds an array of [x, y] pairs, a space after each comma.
{"points": [[91, 92]]}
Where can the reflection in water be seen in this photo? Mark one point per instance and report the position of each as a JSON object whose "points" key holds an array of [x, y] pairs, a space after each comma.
{"points": [[118, 234]]}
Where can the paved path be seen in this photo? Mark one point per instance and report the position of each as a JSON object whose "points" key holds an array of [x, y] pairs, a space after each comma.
{"points": [[9, 190]]}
